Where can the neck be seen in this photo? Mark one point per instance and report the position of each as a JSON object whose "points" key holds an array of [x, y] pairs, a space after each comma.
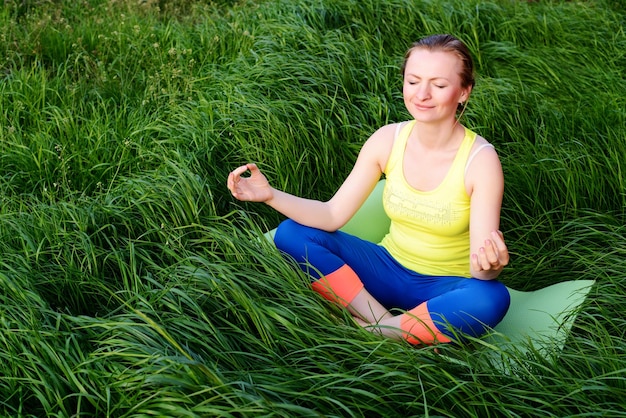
{"points": [[437, 136]]}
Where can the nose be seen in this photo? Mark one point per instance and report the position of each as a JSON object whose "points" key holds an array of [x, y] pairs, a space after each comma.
{"points": [[422, 91]]}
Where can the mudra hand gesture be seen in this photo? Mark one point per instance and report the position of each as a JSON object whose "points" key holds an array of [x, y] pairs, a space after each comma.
{"points": [[254, 188], [493, 256]]}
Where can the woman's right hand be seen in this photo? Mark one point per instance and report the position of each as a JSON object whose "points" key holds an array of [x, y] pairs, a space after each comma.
{"points": [[253, 188]]}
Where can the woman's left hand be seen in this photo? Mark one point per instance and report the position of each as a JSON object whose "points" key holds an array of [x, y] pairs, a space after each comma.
{"points": [[493, 256]]}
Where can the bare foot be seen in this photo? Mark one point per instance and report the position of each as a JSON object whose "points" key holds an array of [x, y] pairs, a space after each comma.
{"points": [[363, 323]]}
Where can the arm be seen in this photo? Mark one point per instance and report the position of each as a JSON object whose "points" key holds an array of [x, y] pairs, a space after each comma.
{"points": [[334, 213], [488, 251]]}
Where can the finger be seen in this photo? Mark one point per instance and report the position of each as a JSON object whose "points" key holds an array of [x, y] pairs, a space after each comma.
{"points": [[233, 179], [479, 262], [498, 239], [239, 171], [254, 170], [491, 252], [487, 258], [230, 182], [502, 250], [483, 260], [475, 263], [503, 256]]}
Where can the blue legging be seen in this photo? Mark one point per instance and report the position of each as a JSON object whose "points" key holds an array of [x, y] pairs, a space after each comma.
{"points": [[467, 305]]}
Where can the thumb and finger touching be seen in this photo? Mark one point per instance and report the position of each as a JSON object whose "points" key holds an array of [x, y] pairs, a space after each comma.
{"points": [[253, 187]]}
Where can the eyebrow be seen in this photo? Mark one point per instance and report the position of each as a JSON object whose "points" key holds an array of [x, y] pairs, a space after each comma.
{"points": [[434, 78]]}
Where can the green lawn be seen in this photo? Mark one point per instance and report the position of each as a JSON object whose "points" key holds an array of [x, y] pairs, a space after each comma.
{"points": [[132, 284]]}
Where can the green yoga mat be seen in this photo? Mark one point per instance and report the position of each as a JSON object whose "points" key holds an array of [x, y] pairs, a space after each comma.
{"points": [[542, 317]]}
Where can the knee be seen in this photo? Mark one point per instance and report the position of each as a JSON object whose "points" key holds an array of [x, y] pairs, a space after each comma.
{"points": [[502, 299], [290, 237], [493, 302], [473, 309]]}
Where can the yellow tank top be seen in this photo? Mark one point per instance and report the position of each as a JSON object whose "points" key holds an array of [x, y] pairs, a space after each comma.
{"points": [[429, 231]]}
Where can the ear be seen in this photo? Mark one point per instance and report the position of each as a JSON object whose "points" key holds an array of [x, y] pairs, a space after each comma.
{"points": [[465, 94]]}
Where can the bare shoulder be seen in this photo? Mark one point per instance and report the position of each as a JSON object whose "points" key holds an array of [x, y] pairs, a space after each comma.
{"points": [[480, 141], [379, 144], [484, 164], [483, 152], [385, 133]]}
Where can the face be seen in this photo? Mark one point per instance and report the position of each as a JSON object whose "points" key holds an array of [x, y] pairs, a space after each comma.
{"points": [[432, 85]]}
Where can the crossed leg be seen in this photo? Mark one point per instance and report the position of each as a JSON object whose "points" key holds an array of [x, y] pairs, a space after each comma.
{"points": [[363, 277]]}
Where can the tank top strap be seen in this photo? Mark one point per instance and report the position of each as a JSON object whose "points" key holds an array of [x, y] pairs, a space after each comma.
{"points": [[403, 129], [471, 157]]}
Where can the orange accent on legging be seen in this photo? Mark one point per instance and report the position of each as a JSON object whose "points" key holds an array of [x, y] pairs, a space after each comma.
{"points": [[341, 286], [418, 327]]}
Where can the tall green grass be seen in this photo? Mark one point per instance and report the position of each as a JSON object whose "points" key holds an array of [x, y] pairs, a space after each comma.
{"points": [[132, 284]]}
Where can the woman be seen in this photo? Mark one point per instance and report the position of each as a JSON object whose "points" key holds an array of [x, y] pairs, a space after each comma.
{"points": [[439, 262]]}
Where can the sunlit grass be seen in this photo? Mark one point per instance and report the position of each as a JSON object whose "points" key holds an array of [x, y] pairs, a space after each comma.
{"points": [[132, 284]]}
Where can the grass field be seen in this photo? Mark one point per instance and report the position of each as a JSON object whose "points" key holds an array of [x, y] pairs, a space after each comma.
{"points": [[132, 284]]}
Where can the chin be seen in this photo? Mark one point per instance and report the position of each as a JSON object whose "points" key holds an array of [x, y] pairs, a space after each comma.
{"points": [[425, 118]]}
